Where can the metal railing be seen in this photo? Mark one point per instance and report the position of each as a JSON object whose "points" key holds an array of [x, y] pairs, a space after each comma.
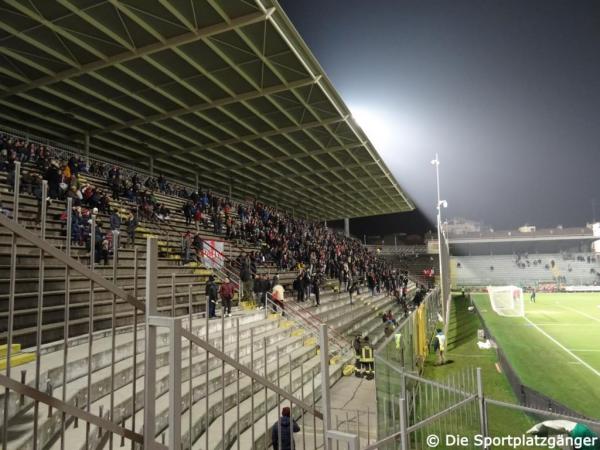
{"points": [[424, 413], [269, 384], [390, 249], [219, 267], [102, 373], [315, 322], [290, 312], [415, 412], [69, 406]]}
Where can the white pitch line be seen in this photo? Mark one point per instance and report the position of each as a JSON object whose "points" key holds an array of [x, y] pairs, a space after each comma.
{"points": [[580, 313], [554, 324], [577, 358]]}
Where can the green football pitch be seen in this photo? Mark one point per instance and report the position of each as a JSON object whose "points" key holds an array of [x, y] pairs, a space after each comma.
{"points": [[555, 348]]}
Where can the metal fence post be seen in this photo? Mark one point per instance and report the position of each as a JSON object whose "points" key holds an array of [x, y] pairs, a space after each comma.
{"points": [[175, 385], [403, 425], [135, 339], [351, 440], [11, 298], [150, 357], [482, 410], [324, 348], [69, 230], [113, 324]]}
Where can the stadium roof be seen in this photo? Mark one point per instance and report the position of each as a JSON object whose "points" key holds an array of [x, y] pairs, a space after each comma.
{"points": [[225, 89]]}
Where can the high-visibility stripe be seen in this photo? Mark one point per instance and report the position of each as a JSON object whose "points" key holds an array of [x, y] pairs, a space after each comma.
{"points": [[366, 354]]}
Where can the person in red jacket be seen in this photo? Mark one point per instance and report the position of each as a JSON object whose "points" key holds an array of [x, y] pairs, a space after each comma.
{"points": [[227, 292]]}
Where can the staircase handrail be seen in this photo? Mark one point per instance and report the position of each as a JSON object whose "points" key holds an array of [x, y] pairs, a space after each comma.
{"points": [[316, 321], [312, 325]]}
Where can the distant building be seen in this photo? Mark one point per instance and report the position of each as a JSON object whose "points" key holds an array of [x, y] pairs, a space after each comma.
{"points": [[459, 226]]}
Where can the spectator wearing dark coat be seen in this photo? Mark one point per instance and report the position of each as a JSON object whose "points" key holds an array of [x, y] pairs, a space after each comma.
{"points": [[212, 293], [115, 221], [53, 177], [132, 223], [317, 290], [281, 432]]}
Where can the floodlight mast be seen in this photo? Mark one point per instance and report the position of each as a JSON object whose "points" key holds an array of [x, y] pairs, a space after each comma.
{"points": [[440, 203]]}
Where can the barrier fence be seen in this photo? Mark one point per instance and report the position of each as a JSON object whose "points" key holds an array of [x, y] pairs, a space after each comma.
{"points": [[104, 369], [418, 413]]}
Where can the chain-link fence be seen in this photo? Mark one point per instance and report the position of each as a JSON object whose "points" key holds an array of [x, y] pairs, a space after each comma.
{"points": [[403, 351]]}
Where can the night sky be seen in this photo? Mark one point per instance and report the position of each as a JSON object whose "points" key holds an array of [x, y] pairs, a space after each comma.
{"points": [[507, 92]]}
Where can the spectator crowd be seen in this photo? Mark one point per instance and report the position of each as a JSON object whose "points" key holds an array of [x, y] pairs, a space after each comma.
{"points": [[313, 250]]}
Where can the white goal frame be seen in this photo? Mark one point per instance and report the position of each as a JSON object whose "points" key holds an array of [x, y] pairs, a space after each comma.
{"points": [[507, 301]]}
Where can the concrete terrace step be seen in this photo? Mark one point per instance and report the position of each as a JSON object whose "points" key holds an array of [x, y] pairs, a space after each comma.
{"points": [[124, 370], [78, 361], [227, 399], [217, 432], [262, 436], [124, 408]]}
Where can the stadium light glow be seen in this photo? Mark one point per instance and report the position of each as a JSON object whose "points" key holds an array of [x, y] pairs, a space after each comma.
{"points": [[375, 125]]}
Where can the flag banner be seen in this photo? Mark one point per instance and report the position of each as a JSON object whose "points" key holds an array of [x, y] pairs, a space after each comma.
{"points": [[212, 254]]}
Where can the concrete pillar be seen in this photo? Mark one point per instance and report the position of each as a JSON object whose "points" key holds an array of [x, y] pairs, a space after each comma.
{"points": [[86, 147], [346, 227], [325, 224], [152, 166], [230, 191], [197, 183]]}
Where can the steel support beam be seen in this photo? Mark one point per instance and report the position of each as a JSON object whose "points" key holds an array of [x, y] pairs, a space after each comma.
{"points": [[266, 134], [173, 42], [205, 106]]}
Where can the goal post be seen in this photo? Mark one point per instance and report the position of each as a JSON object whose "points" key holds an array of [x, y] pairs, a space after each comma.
{"points": [[507, 300]]}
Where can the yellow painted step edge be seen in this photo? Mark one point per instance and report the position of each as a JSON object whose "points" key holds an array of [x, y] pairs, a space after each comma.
{"points": [[18, 359], [15, 348]]}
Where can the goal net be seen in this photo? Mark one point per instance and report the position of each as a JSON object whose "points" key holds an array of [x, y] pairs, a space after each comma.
{"points": [[507, 300]]}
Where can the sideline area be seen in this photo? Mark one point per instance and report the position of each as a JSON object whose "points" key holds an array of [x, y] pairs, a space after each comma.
{"points": [[464, 354]]}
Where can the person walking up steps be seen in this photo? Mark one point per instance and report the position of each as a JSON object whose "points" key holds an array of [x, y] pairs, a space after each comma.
{"points": [[282, 432]]}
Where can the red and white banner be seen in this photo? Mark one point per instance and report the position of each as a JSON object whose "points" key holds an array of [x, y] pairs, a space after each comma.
{"points": [[212, 254]]}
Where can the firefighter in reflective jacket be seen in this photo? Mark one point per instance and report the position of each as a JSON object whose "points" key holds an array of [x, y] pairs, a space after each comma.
{"points": [[367, 365]]}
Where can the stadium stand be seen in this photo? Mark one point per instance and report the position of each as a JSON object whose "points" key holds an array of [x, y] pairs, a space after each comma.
{"points": [[176, 281], [566, 269], [146, 123]]}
